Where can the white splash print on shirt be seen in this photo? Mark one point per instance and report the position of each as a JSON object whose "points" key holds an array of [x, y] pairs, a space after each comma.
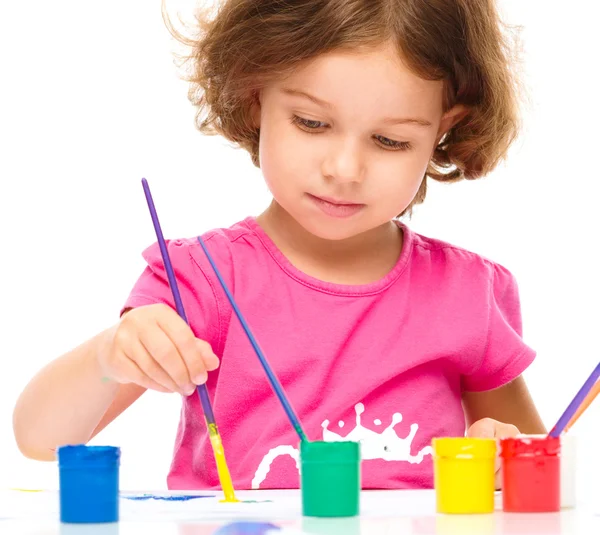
{"points": [[265, 464], [386, 445]]}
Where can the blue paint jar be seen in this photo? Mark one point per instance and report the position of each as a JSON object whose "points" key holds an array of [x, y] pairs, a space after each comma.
{"points": [[89, 484]]}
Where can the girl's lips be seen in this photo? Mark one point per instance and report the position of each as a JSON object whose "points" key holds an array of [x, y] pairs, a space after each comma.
{"points": [[336, 208]]}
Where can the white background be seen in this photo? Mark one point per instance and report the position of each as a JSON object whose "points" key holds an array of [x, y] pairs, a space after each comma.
{"points": [[91, 102]]}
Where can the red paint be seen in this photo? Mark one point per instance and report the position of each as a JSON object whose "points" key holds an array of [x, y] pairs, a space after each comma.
{"points": [[531, 474]]}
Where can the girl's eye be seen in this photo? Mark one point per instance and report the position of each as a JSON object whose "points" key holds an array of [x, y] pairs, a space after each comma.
{"points": [[312, 126], [308, 124], [390, 144]]}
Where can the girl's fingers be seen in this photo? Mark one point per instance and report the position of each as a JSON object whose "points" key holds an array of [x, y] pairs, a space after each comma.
{"points": [[506, 430], [498, 480], [195, 353], [130, 372], [484, 428], [146, 363], [211, 361], [165, 354], [489, 428]]}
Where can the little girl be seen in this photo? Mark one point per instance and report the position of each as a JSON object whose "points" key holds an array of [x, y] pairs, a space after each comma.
{"points": [[376, 333]]}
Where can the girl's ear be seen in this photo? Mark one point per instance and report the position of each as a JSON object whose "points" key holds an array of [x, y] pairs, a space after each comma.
{"points": [[255, 109], [450, 118]]}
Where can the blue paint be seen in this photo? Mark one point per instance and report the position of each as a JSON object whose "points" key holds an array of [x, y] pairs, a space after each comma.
{"points": [[173, 498], [247, 528], [89, 484]]}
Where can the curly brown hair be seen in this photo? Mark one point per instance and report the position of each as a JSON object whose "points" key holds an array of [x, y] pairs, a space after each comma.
{"points": [[249, 43]]}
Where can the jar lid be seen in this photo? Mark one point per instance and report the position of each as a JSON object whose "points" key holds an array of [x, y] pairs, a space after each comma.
{"points": [[464, 447], [87, 454], [329, 452], [529, 446]]}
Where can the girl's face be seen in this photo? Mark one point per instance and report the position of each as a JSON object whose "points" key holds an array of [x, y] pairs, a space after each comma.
{"points": [[345, 140]]}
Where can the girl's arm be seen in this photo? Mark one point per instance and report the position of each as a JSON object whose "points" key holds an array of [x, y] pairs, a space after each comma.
{"points": [[509, 404], [68, 402]]}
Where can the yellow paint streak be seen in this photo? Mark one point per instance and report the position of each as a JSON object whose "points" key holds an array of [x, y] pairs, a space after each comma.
{"points": [[224, 475]]}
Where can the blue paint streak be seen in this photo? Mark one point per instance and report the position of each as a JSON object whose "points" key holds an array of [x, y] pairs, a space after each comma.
{"points": [[172, 498]]}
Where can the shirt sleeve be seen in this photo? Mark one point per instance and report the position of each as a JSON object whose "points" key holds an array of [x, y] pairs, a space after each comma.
{"points": [[506, 355], [196, 291]]}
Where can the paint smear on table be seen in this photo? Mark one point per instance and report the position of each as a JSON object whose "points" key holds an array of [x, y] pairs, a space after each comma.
{"points": [[182, 498], [167, 498]]}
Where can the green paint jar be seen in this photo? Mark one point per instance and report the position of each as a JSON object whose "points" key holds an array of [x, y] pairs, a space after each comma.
{"points": [[330, 478]]}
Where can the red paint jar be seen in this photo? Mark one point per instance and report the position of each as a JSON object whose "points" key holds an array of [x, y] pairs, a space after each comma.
{"points": [[531, 474]]}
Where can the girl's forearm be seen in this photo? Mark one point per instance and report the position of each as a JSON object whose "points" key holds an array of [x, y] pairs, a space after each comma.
{"points": [[65, 401]]}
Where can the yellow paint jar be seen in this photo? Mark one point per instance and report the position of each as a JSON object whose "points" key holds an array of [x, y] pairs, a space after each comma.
{"points": [[464, 471]]}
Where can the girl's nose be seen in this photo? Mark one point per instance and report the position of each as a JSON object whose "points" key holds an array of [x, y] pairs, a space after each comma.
{"points": [[343, 162]]}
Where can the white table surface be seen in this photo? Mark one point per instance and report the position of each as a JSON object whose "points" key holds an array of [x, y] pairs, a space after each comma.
{"points": [[382, 513]]}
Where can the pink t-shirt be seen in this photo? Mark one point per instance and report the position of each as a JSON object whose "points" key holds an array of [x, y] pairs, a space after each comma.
{"points": [[383, 363]]}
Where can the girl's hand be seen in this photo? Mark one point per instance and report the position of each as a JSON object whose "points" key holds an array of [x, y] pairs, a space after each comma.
{"points": [[153, 347], [488, 428]]}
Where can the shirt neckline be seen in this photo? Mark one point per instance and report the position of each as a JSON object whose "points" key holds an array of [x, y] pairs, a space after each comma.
{"points": [[332, 287]]}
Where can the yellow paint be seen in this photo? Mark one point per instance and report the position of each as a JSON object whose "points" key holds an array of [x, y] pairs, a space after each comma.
{"points": [[27, 490], [223, 471], [464, 470]]}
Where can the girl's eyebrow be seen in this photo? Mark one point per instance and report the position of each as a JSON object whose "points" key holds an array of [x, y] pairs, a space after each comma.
{"points": [[388, 120], [407, 120], [304, 94]]}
